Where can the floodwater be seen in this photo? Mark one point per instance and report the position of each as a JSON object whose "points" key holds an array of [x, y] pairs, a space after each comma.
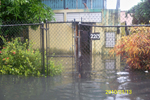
{"points": [[135, 84]]}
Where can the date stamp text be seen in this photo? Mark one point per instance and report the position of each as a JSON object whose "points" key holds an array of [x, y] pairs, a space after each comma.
{"points": [[118, 91]]}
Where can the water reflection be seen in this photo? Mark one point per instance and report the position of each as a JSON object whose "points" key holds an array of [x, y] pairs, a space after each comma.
{"points": [[105, 75]]}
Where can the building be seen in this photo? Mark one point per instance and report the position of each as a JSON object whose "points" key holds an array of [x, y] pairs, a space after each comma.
{"points": [[123, 18], [60, 39], [68, 10]]}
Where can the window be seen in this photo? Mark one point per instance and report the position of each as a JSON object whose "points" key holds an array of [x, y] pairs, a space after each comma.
{"points": [[110, 64], [86, 17], [110, 68], [59, 17], [110, 39]]}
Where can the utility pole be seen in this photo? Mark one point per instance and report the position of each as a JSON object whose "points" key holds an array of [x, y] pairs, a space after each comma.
{"points": [[118, 4], [117, 10], [117, 15]]}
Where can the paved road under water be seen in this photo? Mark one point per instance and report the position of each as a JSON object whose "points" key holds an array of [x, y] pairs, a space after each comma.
{"points": [[68, 88]]}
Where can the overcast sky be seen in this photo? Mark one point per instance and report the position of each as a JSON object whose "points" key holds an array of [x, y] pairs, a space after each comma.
{"points": [[124, 4]]}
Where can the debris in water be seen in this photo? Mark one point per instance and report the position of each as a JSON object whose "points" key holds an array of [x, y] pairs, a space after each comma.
{"points": [[146, 71], [79, 75]]}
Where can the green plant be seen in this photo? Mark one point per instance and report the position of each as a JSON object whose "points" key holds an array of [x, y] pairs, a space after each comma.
{"points": [[140, 13], [135, 48], [22, 12], [20, 59]]}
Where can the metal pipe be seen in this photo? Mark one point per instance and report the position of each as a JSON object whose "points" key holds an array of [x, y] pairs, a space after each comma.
{"points": [[91, 4], [49, 44], [147, 25], [72, 45], [75, 45], [20, 25], [64, 4], [59, 56], [46, 48], [61, 22], [43, 60], [79, 52]]}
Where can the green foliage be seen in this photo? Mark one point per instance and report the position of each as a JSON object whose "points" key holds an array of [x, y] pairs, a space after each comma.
{"points": [[22, 11], [135, 48], [25, 10], [18, 58], [141, 12]]}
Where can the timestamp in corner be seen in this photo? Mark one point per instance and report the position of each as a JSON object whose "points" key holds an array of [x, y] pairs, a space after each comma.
{"points": [[118, 92]]}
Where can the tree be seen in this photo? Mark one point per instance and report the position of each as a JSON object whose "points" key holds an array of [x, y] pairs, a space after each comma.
{"points": [[25, 10], [141, 12], [22, 11]]}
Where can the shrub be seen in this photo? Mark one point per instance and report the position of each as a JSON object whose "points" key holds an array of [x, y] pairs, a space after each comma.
{"points": [[20, 59], [135, 48]]}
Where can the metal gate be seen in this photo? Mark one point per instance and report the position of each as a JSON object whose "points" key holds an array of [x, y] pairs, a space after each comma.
{"points": [[71, 45], [60, 45], [92, 50]]}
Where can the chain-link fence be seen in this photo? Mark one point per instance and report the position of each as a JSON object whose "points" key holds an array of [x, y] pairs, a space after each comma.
{"points": [[79, 47], [21, 44], [93, 53], [60, 45], [52, 41], [99, 49], [22, 30], [96, 42]]}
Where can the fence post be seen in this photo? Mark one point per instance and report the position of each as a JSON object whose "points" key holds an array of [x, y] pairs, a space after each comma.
{"points": [[46, 47], [75, 46], [79, 52], [43, 56]]}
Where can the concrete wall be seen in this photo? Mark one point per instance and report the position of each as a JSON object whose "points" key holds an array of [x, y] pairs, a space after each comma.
{"points": [[59, 37], [60, 34], [108, 18]]}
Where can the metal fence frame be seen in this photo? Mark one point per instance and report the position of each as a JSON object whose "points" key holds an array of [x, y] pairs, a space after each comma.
{"points": [[42, 41], [104, 26], [73, 45], [75, 38]]}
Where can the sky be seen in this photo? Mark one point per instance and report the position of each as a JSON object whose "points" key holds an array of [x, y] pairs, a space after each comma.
{"points": [[124, 4]]}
